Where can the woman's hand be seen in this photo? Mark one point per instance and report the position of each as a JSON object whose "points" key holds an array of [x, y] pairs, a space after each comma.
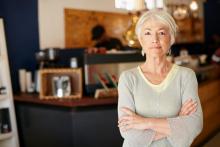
{"points": [[188, 108], [132, 121]]}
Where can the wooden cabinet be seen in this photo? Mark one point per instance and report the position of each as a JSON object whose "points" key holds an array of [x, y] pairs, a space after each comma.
{"points": [[210, 100], [94, 126], [8, 129]]}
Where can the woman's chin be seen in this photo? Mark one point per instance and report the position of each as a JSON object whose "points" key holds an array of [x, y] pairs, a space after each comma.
{"points": [[156, 54]]}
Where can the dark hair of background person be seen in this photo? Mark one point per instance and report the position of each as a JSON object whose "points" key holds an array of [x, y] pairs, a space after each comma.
{"points": [[101, 39]]}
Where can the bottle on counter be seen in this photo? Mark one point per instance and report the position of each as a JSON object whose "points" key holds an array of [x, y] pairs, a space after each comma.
{"points": [[73, 62]]}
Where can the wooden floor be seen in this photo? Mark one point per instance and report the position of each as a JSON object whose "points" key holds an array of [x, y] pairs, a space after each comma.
{"points": [[213, 142]]}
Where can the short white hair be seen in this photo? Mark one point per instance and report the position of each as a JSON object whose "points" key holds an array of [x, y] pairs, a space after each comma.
{"points": [[160, 15]]}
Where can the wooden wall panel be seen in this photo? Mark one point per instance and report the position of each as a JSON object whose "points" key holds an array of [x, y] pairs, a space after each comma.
{"points": [[210, 99], [78, 25], [190, 30]]}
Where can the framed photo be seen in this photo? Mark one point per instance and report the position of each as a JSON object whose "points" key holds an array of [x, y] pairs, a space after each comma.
{"points": [[61, 83]]}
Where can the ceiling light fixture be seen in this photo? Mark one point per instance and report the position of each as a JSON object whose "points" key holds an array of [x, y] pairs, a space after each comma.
{"points": [[193, 5]]}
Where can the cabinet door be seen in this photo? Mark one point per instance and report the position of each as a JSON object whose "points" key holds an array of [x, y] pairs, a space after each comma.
{"points": [[96, 127], [44, 126]]}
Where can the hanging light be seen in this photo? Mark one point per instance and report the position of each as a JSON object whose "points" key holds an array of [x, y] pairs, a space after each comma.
{"points": [[194, 5], [160, 4], [130, 5], [133, 6], [180, 12], [151, 4]]}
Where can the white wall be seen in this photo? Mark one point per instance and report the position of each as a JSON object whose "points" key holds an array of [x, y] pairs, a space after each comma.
{"points": [[51, 18]]}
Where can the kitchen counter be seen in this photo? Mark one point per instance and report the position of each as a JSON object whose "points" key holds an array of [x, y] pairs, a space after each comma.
{"points": [[83, 102], [73, 122], [67, 123]]}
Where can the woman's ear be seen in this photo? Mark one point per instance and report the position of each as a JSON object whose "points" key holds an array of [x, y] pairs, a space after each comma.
{"points": [[172, 40]]}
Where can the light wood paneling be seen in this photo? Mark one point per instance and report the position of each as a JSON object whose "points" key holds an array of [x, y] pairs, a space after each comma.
{"points": [[78, 25], [190, 30], [210, 99]]}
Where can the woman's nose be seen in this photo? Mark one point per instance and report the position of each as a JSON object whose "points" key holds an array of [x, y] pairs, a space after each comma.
{"points": [[154, 38]]}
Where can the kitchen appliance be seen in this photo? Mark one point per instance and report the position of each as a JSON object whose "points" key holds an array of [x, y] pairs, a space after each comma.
{"points": [[47, 57]]}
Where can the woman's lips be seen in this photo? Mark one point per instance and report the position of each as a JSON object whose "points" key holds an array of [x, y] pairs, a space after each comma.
{"points": [[155, 47]]}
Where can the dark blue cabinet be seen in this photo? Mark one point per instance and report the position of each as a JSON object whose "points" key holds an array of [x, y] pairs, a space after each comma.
{"points": [[46, 126]]}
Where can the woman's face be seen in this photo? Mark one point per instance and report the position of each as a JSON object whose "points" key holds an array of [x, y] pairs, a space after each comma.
{"points": [[155, 38]]}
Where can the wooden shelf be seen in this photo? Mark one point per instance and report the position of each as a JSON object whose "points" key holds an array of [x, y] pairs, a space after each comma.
{"points": [[5, 136]]}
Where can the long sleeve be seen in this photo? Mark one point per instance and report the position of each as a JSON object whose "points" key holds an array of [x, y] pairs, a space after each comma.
{"points": [[132, 138], [184, 129]]}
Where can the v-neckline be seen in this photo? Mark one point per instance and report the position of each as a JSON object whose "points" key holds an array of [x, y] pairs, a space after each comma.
{"points": [[161, 84]]}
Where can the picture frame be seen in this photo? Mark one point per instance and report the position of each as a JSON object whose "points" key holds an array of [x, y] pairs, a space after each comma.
{"points": [[61, 83]]}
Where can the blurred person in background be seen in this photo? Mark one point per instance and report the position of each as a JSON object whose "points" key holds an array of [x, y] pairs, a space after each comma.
{"points": [[103, 42]]}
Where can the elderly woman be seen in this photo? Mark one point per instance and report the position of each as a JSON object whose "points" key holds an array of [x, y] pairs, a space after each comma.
{"points": [[158, 103]]}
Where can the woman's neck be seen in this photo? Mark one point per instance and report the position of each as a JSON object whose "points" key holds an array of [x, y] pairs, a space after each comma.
{"points": [[156, 65]]}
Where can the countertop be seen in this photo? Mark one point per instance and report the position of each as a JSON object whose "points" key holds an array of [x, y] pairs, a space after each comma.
{"points": [[83, 102]]}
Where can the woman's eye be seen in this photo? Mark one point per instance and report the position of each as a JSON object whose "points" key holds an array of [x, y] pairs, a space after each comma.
{"points": [[162, 33], [147, 33]]}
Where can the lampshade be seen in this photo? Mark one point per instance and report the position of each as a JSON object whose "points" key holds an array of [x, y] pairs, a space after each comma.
{"points": [[131, 5], [151, 4], [137, 5]]}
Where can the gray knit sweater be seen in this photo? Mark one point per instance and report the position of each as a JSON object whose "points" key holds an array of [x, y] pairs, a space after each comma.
{"points": [[161, 101]]}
